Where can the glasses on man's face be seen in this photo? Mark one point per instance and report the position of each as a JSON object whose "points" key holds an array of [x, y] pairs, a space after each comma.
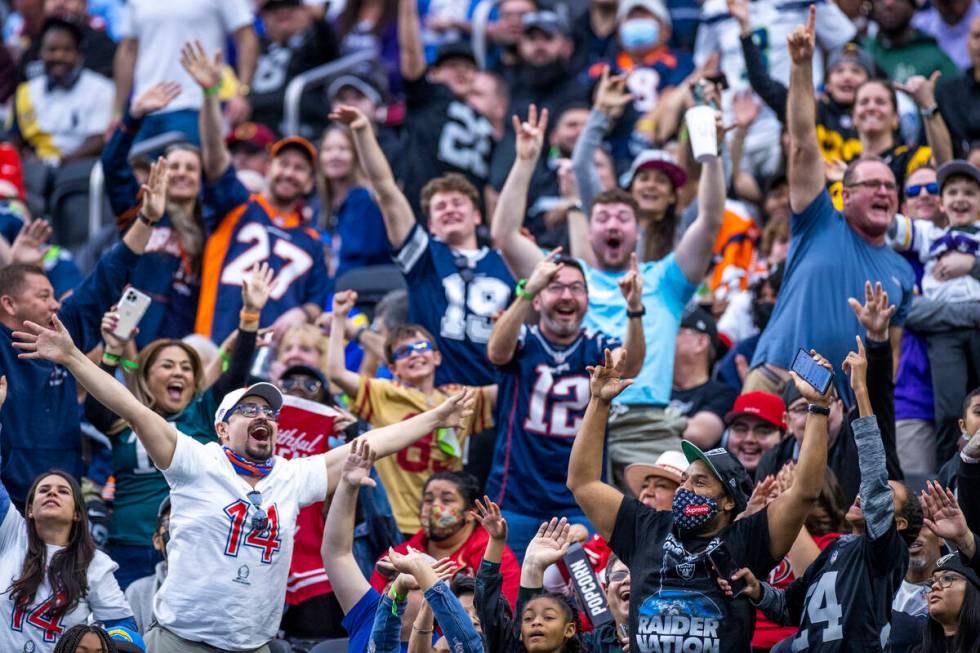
{"points": [[259, 519], [411, 348], [874, 184], [798, 410], [291, 383], [943, 582], [254, 410], [759, 430], [931, 188], [577, 288], [619, 576]]}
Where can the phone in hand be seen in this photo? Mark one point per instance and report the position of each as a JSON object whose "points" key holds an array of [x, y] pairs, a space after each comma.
{"points": [[812, 372], [131, 308], [725, 566]]}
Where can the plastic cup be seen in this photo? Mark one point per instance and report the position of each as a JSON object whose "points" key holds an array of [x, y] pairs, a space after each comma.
{"points": [[702, 131]]}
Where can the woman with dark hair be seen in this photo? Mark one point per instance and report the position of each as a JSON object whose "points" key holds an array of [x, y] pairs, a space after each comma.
{"points": [[169, 378], [85, 639], [372, 25], [51, 575], [954, 609]]}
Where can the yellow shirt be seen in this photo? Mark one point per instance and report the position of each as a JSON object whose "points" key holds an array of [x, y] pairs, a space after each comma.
{"points": [[381, 402]]}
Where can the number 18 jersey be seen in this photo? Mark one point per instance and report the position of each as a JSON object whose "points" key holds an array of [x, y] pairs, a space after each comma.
{"points": [[541, 398]]}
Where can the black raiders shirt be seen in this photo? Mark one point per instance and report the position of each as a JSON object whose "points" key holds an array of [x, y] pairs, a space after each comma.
{"points": [[844, 600], [675, 603], [443, 134]]}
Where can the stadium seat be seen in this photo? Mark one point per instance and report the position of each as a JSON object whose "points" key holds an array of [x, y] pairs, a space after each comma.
{"points": [[330, 646], [371, 284], [280, 646]]}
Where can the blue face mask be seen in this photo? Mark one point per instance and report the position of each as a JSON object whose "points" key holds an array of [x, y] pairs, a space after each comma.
{"points": [[691, 511], [638, 33]]}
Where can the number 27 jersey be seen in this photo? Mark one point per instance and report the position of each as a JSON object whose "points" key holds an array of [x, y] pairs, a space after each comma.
{"points": [[541, 399]]}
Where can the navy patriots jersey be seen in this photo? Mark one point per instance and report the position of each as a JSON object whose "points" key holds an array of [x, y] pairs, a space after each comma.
{"points": [[541, 398], [454, 295]]}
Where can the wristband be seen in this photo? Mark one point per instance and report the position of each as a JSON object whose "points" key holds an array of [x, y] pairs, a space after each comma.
{"points": [[358, 334], [145, 220], [520, 292], [110, 359], [818, 410], [929, 112], [395, 600], [128, 364], [225, 360], [214, 90], [635, 314], [249, 316], [421, 630]]}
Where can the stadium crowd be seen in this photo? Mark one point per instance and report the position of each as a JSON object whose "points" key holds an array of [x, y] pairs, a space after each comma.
{"points": [[424, 325]]}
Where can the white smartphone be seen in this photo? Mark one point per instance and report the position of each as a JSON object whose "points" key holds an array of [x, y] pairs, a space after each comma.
{"points": [[131, 308]]}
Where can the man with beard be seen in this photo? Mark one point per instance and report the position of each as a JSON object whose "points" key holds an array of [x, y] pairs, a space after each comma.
{"points": [[832, 253], [675, 602], [451, 530], [909, 609], [900, 49], [543, 388], [247, 229]]}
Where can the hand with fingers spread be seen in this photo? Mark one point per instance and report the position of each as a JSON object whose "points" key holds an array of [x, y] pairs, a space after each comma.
{"points": [[421, 567], [943, 516], [51, 343], [753, 588], [256, 289], [745, 108], [350, 116], [357, 467], [760, 496], [922, 90], [631, 285], [801, 40], [453, 412], [488, 514], [343, 303], [810, 393], [548, 546], [154, 99], [28, 246], [544, 272], [606, 380], [612, 97], [856, 365], [154, 191], [203, 70], [785, 476], [876, 313], [530, 133]]}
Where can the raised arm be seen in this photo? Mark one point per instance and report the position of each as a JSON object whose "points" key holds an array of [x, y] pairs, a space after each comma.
{"points": [[395, 209], [547, 547], [246, 40], [806, 168], [207, 73], [923, 91], [694, 251], [123, 65], [488, 514], [519, 252], [786, 513], [337, 371], [611, 99], [631, 285], [411, 53], [600, 501], [158, 436]]}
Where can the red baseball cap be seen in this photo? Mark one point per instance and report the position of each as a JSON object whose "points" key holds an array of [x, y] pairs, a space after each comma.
{"points": [[254, 134], [763, 405]]}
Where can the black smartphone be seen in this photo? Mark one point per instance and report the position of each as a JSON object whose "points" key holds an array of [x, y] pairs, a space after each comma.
{"points": [[718, 78], [723, 564], [812, 372]]}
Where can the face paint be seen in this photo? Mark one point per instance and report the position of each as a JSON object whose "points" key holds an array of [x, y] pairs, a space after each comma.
{"points": [[691, 511]]}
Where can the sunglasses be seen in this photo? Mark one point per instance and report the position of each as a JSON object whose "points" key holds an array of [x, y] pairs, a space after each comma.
{"points": [[259, 519], [412, 348], [913, 191], [253, 410], [310, 385]]}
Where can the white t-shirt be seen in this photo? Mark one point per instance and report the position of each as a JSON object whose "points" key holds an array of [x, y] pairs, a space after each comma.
{"points": [[162, 27], [920, 237], [226, 582], [32, 630]]}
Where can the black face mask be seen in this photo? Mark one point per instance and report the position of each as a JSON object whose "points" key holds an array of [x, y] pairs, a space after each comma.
{"points": [[761, 312], [545, 75]]}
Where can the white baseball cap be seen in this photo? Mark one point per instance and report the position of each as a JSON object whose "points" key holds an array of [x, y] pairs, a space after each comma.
{"points": [[670, 465], [656, 7], [265, 390]]}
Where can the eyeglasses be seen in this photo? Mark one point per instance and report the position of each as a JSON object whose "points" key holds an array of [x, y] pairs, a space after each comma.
{"points": [[259, 519], [874, 184], [577, 288], [913, 191], [253, 410], [411, 348], [798, 410], [619, 576], [943, 582], [291, 383]]}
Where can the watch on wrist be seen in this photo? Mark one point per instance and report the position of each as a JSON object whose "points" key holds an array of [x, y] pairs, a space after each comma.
{"points": [[817, 409], [930, 111], [635, 314], [575, 206]]}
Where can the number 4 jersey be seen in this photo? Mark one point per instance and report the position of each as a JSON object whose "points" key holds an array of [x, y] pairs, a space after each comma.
{"points": [[541, 398]]}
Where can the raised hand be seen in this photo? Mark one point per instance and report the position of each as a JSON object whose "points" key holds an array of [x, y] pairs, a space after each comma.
{"points": [[856, 364], [802, 39], [785, 476], [349, 116], [530, 133], [942, 514], [52, 343], [489, 516], [922, 90], [745, 109], [445, 569], [544, 272], [760, 496], [154, 98], [876, 313], [155, 191], [611, 97], [206, 72], [606, 381], [256, 289], [357, 468], [411, 562], [452, 413], [27, 246], [631, 285], [549, 545], [343, 303], [113, 345], [739, 10], [808, 391]]}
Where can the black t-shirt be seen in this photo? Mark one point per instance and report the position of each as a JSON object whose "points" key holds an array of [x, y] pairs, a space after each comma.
{"points": [[844, 600], [713, 396], [675, 603], [442, 134]]}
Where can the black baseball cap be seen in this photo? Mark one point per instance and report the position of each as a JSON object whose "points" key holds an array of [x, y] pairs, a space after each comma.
{"points": [[550, 22], [957, 168], [307, 371], [700, 320], [454, 50], [953, 562], [726, 468], [269, 5]]}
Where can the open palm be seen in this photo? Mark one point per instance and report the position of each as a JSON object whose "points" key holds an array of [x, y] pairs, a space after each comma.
{"points": [[607, 381]]}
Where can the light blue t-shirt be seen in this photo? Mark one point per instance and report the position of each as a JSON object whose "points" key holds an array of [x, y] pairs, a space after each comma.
{"points": [[828, 262], [665, 293]]}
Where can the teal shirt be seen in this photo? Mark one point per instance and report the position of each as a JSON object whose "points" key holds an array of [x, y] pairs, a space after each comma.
{"points": [[141, 487], [665, 293]]}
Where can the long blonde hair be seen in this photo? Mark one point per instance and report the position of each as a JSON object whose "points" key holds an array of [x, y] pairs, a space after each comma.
{"points": [[309, 334], [356, 177]]}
